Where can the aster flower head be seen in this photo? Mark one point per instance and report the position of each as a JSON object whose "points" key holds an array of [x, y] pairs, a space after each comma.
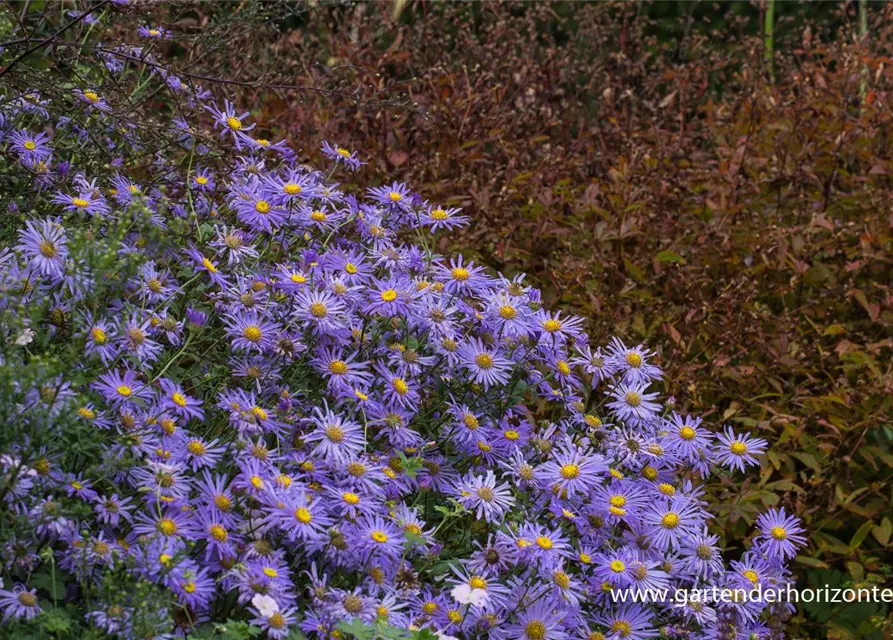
{"points": [[342, 155], [45, 246], [738, 451], [780, 534], [31, 148], [484, 496], [486, 365]]}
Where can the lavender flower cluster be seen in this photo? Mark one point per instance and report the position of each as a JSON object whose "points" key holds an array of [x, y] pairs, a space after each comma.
{"points": [[310, 419]]}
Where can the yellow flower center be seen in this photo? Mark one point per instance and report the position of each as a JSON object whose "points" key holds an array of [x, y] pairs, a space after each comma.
{"points": [[218, 533], [195, 447], [80, 203], [233, 123], [318, 216], [318, 310], [751, 575], [303, 515], [86, 413], [670, 520], [344, 153], [544, 542], [738, 448], [395, 197], [210, 266], [460, 274], [166, 527], [262, 206], [484, 360], [535, 630], [622, 628], [92, 96], [400, 386], [29, 145], [252, 333], [634, 360], [561, 579], [570, 471], [179, 399], [292, 189], [350, 498], [633, 399], [687, 433], [222, 502], [270, 572], [551, 326], [124, 390], [335, 433], [379, 536], [667, 489], [388, 295], [476, 582], [511, 434], [779, 533], [338, 367], [202, 180]]}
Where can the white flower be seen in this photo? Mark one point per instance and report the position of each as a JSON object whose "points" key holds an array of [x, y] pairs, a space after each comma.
{"points": [[265, 605], [464, 594], [25, 337], [443, 636]]}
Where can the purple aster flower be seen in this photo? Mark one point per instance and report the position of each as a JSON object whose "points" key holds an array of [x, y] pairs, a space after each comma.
{"points": [[463, 277], [556, 329], [632, 363], [349, 159], [112, 509], [336, 438], [89, 200], [44, 244], [229, 122], [203, 180], [321, 311], [630, 622], [92, 98], [572, 471], [670, 522], [390, 298], [738, 451], [542, 620], [174, 399], [154, 33], [394, 196], [486, 365], [632, 403], [119, 389], [439, 218], [780, 534], [482, 495], [254, 207], [31, 148], [250, 331], [20, 603]]}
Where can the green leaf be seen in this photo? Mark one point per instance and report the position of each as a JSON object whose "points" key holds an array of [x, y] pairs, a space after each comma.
{"points": [[669, 256], [882, 532], [861, 534], [356, 628]]}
